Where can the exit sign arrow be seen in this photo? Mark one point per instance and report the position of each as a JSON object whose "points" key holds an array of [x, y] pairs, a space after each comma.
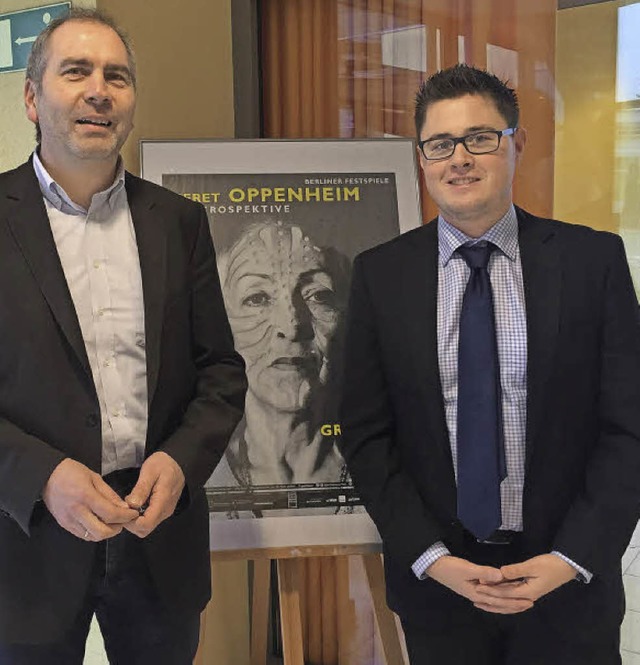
{"points": [[25, 40]]}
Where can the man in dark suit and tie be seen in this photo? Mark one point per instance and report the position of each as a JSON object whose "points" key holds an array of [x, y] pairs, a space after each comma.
{"points": [[119, 382], [491, 407]]}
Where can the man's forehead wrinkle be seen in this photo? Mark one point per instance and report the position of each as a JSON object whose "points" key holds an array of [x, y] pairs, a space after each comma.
{"points": [[76, 34]]}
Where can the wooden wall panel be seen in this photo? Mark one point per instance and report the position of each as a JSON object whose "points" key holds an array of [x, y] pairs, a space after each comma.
{"points": [[536, 39]]}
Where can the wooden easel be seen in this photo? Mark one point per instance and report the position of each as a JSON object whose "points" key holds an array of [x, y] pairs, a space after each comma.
{"points": [[290, 589]]}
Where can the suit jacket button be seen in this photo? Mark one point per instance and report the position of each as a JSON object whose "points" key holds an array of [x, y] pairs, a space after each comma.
{"points": [[91, 420]]}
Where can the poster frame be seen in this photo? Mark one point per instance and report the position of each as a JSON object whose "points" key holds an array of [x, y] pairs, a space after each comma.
{"points": [[289, 156]]}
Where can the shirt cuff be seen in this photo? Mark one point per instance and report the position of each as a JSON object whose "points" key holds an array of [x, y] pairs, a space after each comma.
{"points": [[583, 575], [422, 563]]}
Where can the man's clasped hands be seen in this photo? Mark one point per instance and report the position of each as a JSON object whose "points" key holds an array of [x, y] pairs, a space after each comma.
{"points": [[507, 590]]}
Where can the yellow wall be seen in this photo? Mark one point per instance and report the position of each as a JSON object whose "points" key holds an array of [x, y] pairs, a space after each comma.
{"points": [[185, 71], [586, 51]]}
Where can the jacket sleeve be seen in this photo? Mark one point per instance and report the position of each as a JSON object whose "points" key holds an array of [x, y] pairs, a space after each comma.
{"points": [[26, 462], [603, 515]]}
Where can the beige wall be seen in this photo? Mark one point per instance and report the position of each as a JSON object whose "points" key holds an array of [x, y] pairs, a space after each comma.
{"points": [[586, 50], [184, 69]]}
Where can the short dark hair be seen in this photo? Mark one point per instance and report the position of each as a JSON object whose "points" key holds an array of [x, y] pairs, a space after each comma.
{"points": [[462, 80], [37, 61]]}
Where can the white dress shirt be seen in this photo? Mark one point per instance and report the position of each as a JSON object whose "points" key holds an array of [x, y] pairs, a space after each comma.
{"points": [[99, 256]]}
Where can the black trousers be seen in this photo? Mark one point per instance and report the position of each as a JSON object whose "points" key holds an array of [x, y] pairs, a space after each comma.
{"points": [[470, 636], [137, 629], [504, 640]]}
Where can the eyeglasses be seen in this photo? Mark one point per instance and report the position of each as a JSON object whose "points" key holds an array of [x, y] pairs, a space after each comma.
{"points": [[478, 143]]}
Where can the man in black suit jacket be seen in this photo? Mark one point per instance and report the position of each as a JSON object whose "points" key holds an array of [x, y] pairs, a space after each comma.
{"points": [[545, 587], [119, 382]]}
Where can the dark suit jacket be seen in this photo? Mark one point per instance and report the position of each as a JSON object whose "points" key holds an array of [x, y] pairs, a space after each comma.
{"points": [[582, 484], [49, 408]]}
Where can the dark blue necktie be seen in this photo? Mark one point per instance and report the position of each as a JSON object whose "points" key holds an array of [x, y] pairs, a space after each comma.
{"points": [[481, 465]]}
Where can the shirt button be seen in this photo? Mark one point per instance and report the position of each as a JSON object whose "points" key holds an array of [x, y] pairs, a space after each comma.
{"points": [[96, 264], [116, 414], [106, 363], [101, 312]]}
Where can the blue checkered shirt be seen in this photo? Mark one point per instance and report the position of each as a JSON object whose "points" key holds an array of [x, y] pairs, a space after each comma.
{"points": [[505, 270]]}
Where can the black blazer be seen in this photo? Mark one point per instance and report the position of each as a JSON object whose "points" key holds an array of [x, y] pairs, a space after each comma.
{"points": [[582, 483], [49, 408]]}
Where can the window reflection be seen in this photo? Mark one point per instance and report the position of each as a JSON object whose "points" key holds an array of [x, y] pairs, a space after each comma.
{"points": [[355, 67]]}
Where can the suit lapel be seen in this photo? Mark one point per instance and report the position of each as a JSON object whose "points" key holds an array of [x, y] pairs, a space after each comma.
{"points": [[542, 276], [152, 245], [29, 224]]}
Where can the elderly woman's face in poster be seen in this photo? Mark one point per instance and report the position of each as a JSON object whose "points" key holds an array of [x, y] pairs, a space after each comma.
{"points": [[283, 309]]}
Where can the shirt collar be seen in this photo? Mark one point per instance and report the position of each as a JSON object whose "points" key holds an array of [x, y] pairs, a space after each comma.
{"points": [[503, 234], [60, 200]]}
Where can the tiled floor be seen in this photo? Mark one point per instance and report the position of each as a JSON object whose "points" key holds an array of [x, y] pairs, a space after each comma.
{"points": [[94, 653], [630, 640]]}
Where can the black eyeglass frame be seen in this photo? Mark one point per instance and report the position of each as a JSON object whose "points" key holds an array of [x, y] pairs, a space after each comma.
{"points": [[509, 131]]}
